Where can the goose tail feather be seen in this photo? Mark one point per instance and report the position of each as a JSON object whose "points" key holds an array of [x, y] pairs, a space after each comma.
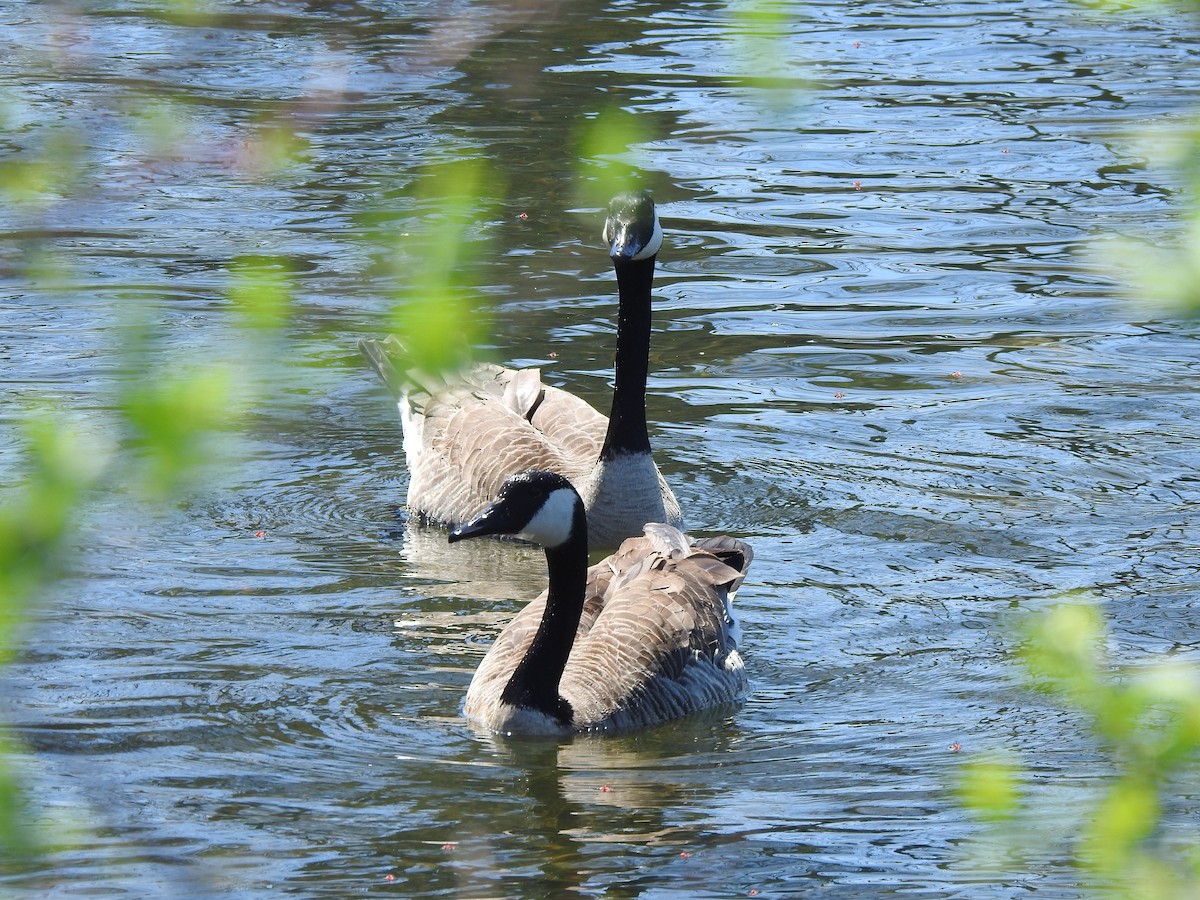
{"points": [[667, 540], [384, 357]]}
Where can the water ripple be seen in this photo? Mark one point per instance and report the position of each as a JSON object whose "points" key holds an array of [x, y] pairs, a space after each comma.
{"points": [[878, 355]]}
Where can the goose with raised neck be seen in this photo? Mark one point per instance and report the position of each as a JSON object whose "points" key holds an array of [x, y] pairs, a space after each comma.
{"points": [[464, 434]]}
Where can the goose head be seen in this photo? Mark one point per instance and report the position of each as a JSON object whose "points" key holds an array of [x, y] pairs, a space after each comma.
{"points": [[541, 507], [632, 230]]}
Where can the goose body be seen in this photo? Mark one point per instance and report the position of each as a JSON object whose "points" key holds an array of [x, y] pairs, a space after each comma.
{"points": [[644, 636], [464, 435]]}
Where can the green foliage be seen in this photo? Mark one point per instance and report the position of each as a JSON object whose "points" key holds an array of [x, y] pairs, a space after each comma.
{"points": [[161, 124], [194, 13], [46, 172], [436, 308], [1146, 719], [761, 55], [275, 147], [15, 842], [163, 434], [36, 517], [607, 143], [260, 291], [168, 416], [170, 420], [1164, 273], [989, 788]]}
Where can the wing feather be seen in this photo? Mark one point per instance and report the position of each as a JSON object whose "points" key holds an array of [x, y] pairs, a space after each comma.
{"points": [[467, 431], [660, 645], [484, 426]]}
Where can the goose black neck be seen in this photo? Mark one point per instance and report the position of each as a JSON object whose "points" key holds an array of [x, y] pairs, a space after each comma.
{"points": [[534, 682], [627, 431]]}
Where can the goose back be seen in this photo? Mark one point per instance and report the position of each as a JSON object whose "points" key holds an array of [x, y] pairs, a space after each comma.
{"points": [[463, 440]]}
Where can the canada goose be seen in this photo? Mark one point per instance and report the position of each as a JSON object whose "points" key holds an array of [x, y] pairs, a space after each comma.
{"points": [[464, 436], [644, 636]]}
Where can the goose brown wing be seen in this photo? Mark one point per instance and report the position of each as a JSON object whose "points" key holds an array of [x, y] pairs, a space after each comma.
{"points": [[570, 424], [475, 433], [659, 646], [513, 642], [734, 553]]}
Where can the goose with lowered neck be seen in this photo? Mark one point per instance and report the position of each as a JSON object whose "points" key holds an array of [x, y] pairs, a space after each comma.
{"points": [[644, 636], [464, 435]]}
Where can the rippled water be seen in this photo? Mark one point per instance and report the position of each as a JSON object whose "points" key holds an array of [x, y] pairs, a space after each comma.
{"points": [[879, 356]]}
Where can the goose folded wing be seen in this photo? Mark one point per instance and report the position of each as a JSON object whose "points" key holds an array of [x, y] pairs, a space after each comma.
{"points": [[470, 448], [657, 649], [508, 649], [571, 425]]}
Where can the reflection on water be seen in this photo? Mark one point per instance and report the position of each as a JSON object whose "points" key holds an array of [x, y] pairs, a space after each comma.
{"points": [[477, 570], [878, 357]]}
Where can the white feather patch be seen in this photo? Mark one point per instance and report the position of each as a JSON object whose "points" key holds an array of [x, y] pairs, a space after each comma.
{"points": [[551, 525], [412, 424], [623, 494], [654, 244]]}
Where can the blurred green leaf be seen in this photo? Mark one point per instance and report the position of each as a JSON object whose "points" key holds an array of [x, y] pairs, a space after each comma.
{"points": [[46, 171], [193, 13], [1062, 651], [36, 516], [989, 788], [1128, 814], [1146, 719], [437, 313], [607, 150], [1165, 273], [163, 125], [274, 146], [15, 839], [174, 420], [759, 33], [47, 269], [261, 291]]}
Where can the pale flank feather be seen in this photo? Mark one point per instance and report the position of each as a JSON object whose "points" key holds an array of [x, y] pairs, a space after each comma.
{"points": [[466, 432]]}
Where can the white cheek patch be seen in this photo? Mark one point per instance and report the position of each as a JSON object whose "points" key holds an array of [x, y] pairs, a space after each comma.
{"points": [[654, 244], [551, 525]]}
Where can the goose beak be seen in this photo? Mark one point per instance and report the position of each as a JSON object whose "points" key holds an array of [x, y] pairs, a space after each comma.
{"points": [[493, 520], [627, 243]]}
